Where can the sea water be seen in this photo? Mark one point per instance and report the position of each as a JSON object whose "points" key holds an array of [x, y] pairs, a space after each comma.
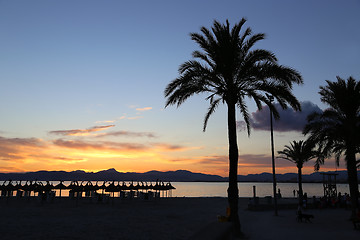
{"points": [[219, 189]]}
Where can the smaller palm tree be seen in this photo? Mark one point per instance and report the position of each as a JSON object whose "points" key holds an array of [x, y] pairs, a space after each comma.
{"points": [[299, 153], [336, 130]]}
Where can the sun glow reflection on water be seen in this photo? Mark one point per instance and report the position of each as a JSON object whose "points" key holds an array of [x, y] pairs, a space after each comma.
{"points": [[219, 189]]}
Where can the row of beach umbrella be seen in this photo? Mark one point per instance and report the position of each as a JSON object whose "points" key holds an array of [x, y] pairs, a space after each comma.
{"points": [[83, 186]]}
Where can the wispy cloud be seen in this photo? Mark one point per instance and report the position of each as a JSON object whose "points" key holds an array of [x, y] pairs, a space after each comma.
{"points": [[117, 146], [136, 117], [105, 121], [170, 147], [69, 160], [81, 132], [139, 111], [10, 169], [13, 148], [203, 160], [126, 117], [143, 109], [99, 145], [217, 160], [127, 134], [31, 150]]}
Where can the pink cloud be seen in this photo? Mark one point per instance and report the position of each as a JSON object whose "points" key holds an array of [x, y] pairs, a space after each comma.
{"points": [[81, 132], [143, 109], [127, 134]]}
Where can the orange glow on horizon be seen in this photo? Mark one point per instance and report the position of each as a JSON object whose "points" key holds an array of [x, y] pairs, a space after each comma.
{"points": [[24, 155]]}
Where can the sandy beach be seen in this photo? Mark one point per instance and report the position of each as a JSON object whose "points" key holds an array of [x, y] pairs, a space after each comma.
{"points": [[173, 218]]}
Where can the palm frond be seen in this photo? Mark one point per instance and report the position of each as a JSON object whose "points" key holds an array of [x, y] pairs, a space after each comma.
{"points": [[213, 105], [252, 40], [245, 113]]}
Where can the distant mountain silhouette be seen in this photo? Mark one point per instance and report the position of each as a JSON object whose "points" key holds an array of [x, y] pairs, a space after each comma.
{"points": [[112, 175], [292, 177], [172, 176]]}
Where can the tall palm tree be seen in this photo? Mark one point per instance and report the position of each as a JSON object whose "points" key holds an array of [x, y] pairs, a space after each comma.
{"points": [[336, 130], [229, 71], [299, 153]]}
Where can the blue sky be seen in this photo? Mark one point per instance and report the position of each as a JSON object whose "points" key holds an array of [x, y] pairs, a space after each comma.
{"points": [[100, 67]]}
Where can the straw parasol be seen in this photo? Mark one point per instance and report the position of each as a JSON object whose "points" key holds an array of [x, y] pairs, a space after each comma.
{"points": [[103, 187], [111, 188], [27, 188], [6, 189], [48, 187], [60, 186], [75, 187], [169, 186]]}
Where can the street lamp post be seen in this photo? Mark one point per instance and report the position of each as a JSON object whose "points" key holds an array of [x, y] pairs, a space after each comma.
{"points": [[271, 98]]}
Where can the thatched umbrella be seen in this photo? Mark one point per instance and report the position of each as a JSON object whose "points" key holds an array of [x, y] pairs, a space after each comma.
{"points": [[10, 188], [137, 187], [49, 195], [89, 188], [75, 187], [121, 188], [60, 186], [27, 188], [18, 188], [131, 187], [157, 187], [144, 187], [48, 187], [150, 186], [40, 189], [118, 187], [34, 187], [6, 189], [169, 188], [111, 188], [160, 186], [2, 189], [18, 185], [103, 187]]}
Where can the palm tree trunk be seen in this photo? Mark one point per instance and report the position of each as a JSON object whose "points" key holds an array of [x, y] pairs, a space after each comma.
{"points": [[300, 187], [352, 179], [233, 191]]}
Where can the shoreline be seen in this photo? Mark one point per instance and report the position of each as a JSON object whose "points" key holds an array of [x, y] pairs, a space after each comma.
{"points": [[165, 218]]}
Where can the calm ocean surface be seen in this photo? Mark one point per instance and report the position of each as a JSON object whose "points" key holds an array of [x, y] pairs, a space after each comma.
{"points": [[219, 189]]}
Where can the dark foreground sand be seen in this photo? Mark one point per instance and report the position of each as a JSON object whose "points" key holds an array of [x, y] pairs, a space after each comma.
{"points": [[174, 218]]}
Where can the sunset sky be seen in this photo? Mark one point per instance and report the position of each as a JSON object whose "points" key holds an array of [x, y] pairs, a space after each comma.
{"points": [[82, 82]]}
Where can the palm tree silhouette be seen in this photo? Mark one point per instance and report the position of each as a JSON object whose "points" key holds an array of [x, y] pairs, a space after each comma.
{"points": [[299, 153], [336, 130], [229, 71]]}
